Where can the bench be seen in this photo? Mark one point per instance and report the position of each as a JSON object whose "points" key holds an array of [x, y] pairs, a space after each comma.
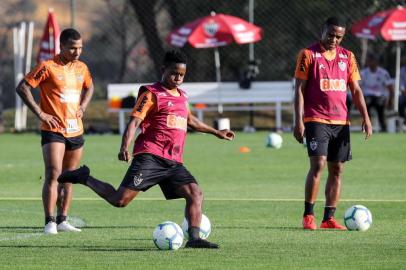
{"points": [[206, 96]]}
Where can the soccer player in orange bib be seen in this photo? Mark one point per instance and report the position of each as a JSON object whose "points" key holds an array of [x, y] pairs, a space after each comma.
{"points": [[163, 114], [323, 73], [65, 91]]}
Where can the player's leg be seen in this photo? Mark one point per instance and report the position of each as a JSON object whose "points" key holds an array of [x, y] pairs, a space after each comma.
{"points": [[118, 198], [193, 196], [380, 109], [339, 152], [332, 192], [317, 164], [144, 172], [71, 161], [317, 138], [53, 155]]}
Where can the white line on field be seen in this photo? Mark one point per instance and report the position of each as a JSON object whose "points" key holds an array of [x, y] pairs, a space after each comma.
{"points": [[212, 199], [22, 236]]}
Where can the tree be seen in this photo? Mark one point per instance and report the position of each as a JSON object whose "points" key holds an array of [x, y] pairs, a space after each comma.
{"points": [[145, 11]]}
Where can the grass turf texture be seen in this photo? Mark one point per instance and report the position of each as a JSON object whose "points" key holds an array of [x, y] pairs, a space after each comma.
{"points": [[254, 200]]}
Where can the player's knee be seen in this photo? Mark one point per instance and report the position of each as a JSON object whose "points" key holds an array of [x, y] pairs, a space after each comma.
{"points": [[120, 203], [318, 166]]}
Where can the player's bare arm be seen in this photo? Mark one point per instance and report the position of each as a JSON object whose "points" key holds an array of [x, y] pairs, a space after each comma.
{"points": [[84, 100], [298, 131], [24, 91], [198, 125], [128, 136], [359, 101]]}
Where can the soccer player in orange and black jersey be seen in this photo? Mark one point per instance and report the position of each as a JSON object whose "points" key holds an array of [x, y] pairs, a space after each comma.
{"points": [[65, 90], [163, 114], [323, 73]]}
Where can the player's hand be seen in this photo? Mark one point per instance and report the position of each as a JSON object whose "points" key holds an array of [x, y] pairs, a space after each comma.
{"points": [[52, 121], [124, 155], [298, 132], [80, 112], [367, 128], [225, 134]]}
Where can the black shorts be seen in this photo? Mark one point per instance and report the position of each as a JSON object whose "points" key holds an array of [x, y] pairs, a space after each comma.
{"points": [[70, 143], [147, 170], [328, 140]]}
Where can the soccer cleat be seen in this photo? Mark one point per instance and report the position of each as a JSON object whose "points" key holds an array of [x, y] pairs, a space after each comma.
{"points": [[79, 175], [66, 227], [309, 222], [331, 223], [200, 243], [50, 228]]}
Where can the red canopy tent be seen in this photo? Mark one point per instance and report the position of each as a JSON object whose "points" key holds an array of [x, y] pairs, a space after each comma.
{"points": [[391, 26]]}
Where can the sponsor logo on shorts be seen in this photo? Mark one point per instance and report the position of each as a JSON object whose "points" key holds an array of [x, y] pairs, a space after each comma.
{"points": [[138, 179], [313, 144]]}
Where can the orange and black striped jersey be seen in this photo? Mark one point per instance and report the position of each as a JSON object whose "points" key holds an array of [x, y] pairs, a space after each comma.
{"points": [[61, 87]]}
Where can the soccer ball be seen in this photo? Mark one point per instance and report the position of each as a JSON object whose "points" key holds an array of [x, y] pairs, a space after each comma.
{"points": [[274, 140], [168, 235], [205, 227], [357, 218]]}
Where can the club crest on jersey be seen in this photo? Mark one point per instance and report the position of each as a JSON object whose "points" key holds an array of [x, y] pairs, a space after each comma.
{"points": [[313, 144], [342, 65], [59, 77], [321, 66], [137, 179], [170, 104]]}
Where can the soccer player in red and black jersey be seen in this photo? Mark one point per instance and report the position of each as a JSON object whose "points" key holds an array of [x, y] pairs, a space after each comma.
{"points": [[324, 72], [163, 114]]}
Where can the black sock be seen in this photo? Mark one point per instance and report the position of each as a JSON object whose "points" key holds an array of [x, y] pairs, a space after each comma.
{"points": [[49, 219], [60, 219], [194, 233], [328, 212], [308, 209]]}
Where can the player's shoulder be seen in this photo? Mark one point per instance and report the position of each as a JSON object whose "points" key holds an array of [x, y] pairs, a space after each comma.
{"points": [[80, 64]]}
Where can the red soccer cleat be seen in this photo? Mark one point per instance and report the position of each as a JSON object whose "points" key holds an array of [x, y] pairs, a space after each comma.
{"points": [[309, 222], [331, 223]]}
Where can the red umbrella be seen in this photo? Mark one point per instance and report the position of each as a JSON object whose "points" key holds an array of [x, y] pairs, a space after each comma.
{"points": [[391, 26], [214, 31], [49, 45]]}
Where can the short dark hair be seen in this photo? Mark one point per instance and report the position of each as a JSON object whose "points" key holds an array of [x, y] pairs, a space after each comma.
{"points": [[68, 34], [334, 21], [174, 57]]}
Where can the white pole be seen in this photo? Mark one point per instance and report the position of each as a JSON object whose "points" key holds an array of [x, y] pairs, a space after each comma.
{"points": [[218, 79], [27, 69], [364, 50], [397, 78], [251, 20], [19, 48]]}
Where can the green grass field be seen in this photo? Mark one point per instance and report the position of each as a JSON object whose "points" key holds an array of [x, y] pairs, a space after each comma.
{"points": [[254, 201]]}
